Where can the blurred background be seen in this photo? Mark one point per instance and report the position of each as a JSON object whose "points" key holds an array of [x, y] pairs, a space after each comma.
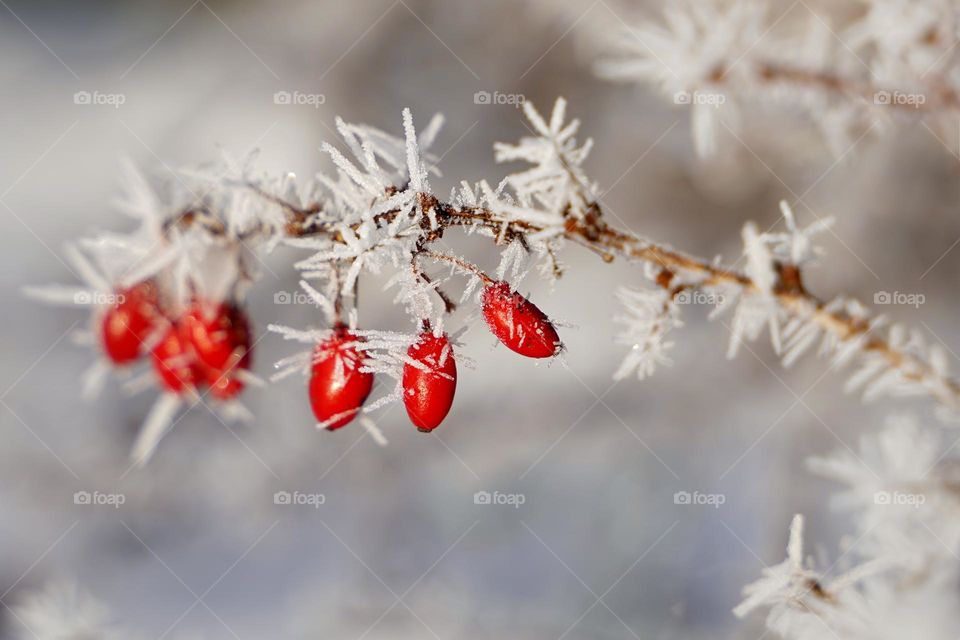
{"points": [[399, 548]]}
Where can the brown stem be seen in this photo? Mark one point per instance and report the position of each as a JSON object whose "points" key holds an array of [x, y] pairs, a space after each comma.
{"points": [[448, 304], [794, 300], [298, 213], [338, 296], [937, 97], [463, 264]]}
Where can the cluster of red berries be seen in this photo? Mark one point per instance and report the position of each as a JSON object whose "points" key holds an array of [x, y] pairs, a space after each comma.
{"points": [[205, 346], [339, 386], [209, 344]]}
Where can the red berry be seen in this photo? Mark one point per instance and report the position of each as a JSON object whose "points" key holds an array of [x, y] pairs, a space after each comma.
{"points": [[428, 393], [220, 335], [518, 323], [223, 385], [175, 362], [337, 386], [127, 324]]}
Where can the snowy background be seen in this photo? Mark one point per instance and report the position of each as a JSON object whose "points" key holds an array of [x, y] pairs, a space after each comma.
{"points": [[399, 549]]}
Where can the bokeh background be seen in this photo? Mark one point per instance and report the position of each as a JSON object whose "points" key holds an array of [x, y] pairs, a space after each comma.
{"points": [[398, 549]]}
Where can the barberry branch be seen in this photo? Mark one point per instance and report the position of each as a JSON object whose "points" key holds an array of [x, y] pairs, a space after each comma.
{"points": [[593, 232], [369, 219], [789, 295]]}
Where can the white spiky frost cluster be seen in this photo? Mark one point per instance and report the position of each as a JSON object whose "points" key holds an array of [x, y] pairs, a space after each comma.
{"points": [[848, 65], [896, 576], [382, 219], [385, 220], [557, 182], [649, 317], [652, 314]]}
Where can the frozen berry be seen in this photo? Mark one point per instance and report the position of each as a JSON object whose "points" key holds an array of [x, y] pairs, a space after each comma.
{"points": [[337, 386], [518, 323], [127, 325], [428, 389], [175, 362], [220, 335]]}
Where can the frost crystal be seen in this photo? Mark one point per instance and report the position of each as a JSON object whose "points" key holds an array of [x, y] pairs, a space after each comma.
{"points": [[796, 247], [650, 315], [557, 183], [804, 604], [690, 58]]}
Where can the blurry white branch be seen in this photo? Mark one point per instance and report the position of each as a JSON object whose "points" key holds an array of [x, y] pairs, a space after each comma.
{"points": [[847, 65], [896, 576]]}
